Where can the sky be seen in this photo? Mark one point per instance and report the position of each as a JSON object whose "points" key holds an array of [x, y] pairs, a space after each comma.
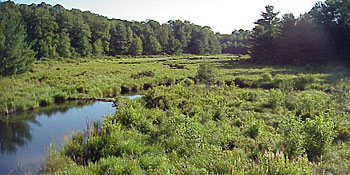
{"points": [[222, 16]]}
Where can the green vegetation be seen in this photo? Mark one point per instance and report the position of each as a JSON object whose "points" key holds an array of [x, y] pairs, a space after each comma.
{"points": [[283, 109], [56, 32], [317, 37], [215, 130], [256, 119], [15, 54]]}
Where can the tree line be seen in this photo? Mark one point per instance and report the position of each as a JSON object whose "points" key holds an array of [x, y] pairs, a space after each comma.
{"points": [[47, 31], [320, 36], [29, 32], [235, 43], [55, 31]]}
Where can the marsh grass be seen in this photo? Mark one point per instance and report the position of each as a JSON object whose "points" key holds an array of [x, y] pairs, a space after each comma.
{"points": [[244, 124], [54, 81]]}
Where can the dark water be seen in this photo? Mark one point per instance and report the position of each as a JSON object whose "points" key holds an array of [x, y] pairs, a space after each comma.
{"points": [[24, 137]]}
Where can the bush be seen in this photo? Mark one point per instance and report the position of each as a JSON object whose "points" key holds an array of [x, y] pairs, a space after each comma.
{"points": [[293, 137], [312, 103], [302, 82], [275, 99], [143, 74], [187, 82], [255, 128], [206, 73], [319, 135], [278, 163]]}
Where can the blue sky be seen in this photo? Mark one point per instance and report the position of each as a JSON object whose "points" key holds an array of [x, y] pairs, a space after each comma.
{"points": [[221, 15]]}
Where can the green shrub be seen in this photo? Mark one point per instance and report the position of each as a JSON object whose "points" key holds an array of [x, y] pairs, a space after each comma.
{"points": [[266, 77], [44, 101], [293, 137], [336, 161], [54, 161], [302, 82], [311, 103], [143, 74], [118, 166], [319, 135], [206, 73], [341, 93], [278, 163], [187, 82], [75, 148], [255, 128], [275, 98]]}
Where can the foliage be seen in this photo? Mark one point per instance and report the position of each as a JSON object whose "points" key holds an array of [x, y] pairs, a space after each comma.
{"points": [[263, 36], [293, 136], [319, 136], [333, 17], [278, 163], [206, 73], [316, 38], [177, 130], [53, 32], [15, 55], [136, 46], [236, 43]]}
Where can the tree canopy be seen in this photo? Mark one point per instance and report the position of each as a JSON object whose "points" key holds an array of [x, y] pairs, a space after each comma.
{"points": [[15, 53], [319, 36]]}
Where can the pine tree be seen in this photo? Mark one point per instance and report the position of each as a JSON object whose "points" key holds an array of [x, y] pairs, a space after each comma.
{"points": [[136, 46], [174, 46], [64, 46], [97, 48], [152, 46], [263, 45], [15, 54]]}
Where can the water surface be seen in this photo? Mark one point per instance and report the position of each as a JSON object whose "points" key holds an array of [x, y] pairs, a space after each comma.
{"points": [[24, 137]]}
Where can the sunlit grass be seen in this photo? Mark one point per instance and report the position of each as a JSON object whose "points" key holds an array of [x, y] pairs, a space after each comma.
{"points": [[109, 77]]}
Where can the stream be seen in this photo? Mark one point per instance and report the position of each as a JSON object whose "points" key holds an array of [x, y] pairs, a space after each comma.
{"points": [[25, 137]]}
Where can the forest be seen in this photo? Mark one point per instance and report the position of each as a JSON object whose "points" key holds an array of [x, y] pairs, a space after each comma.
{"points": [[274, 100], [33, 32]]}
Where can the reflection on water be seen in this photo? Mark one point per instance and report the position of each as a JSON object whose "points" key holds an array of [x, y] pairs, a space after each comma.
{"points": [[24, 137], [133, 96], [13, 134]]}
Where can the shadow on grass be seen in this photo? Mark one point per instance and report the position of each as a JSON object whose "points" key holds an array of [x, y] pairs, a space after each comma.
{"points": [[332, 72]]}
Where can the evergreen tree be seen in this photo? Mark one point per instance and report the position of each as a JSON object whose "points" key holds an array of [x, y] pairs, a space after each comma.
{"points": [[136, 46], [98, 47], [15, 54], [214, 44], [236, 43], [41, 28], [332, 17], [182, 31], [174, 46], [199, 41], [99, 27], [121, 38], [80, 35], [152, 47], [64, 46], [286, 43], [163, 36], [263, 45]]}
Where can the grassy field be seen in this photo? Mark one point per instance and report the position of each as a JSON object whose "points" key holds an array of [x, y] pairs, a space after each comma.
{"points": [[248, 119], [55, 81], [195, 129]]}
